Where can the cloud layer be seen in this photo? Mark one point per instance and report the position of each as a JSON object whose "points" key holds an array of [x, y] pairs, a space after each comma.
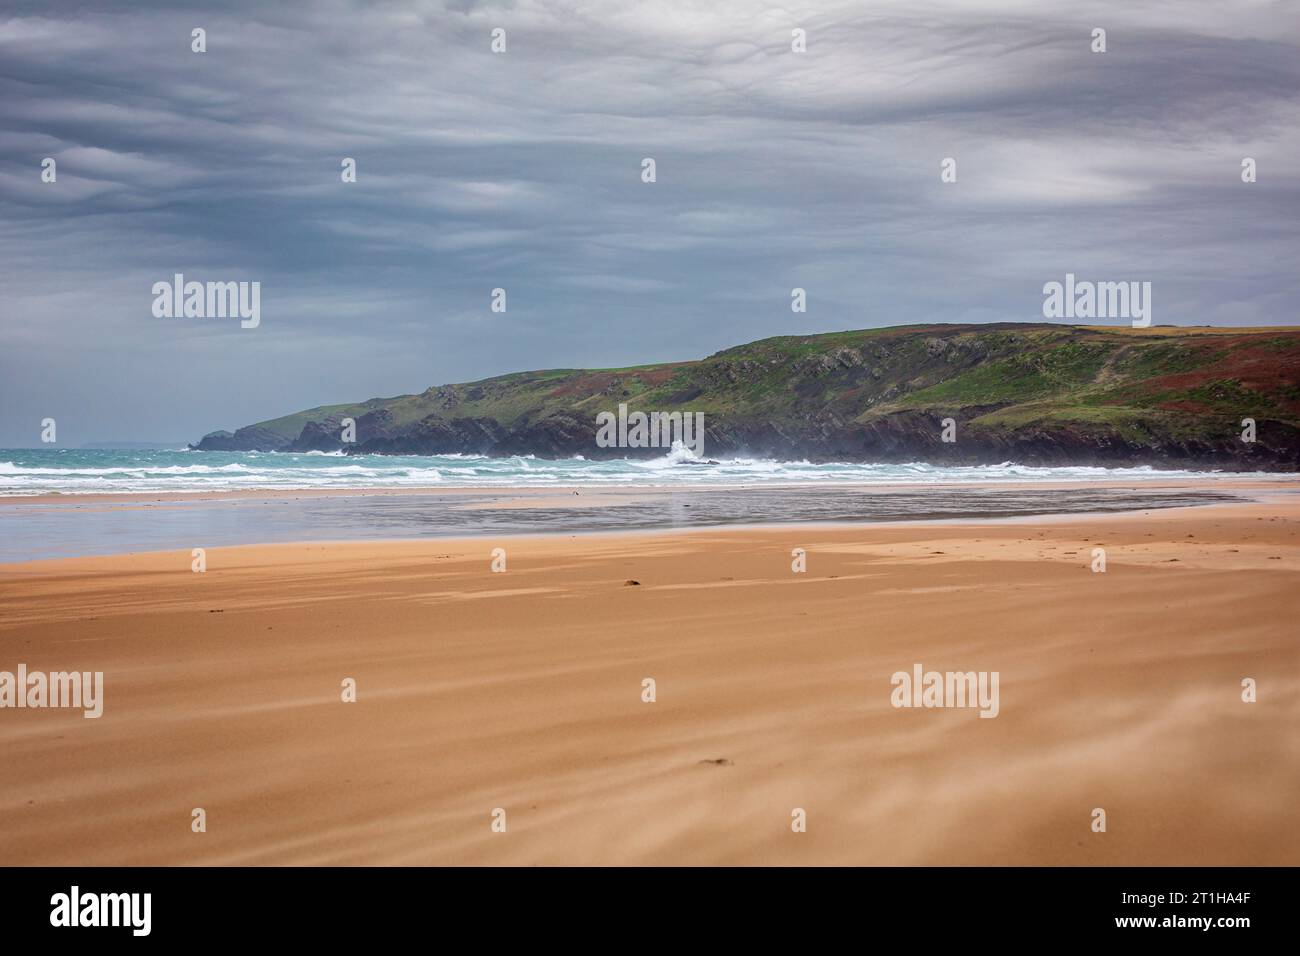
{"points": [[522, 170]]}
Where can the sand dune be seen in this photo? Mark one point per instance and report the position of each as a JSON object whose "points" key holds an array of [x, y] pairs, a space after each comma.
{"points": [[522, 691]]}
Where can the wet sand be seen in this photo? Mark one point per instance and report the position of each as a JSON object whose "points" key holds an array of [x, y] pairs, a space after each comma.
{"points": [[74, 527], [525, 494]]}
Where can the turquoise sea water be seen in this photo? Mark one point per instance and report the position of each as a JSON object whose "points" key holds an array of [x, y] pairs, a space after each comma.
{"points": [[76, 471]]}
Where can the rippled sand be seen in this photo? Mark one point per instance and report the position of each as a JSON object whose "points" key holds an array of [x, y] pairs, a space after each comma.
{"points": [[522, 691]]}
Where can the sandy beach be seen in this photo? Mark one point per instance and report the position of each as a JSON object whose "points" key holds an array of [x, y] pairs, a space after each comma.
{"points": [[523, 691]]}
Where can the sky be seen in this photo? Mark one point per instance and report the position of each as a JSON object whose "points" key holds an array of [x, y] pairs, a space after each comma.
{"points": [[522, 170]]}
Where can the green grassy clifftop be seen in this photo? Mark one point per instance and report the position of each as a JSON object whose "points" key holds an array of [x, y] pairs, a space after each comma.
{"points": [[1034, 393]]}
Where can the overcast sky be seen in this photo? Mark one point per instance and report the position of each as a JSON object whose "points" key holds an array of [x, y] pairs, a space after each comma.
{"points": [[522, 170]]}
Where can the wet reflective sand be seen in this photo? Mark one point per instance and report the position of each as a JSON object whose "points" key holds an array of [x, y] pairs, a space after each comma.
{"points": [[72, 528]]}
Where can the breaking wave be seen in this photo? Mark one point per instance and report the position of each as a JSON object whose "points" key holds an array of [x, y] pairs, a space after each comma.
{"points": [[70, 471]]}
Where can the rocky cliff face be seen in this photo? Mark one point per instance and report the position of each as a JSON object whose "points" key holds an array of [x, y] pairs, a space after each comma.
{"points": [[1036, 394]]}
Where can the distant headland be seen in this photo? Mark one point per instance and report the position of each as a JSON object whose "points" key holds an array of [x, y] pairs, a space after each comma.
{"points": [[1034, 393]]}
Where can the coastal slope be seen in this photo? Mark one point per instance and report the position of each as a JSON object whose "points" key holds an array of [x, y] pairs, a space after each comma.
{"points": [[1044, 394]]}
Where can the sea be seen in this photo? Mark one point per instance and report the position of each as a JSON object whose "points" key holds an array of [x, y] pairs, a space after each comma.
{"points": [[73, 471], [413, 497]]}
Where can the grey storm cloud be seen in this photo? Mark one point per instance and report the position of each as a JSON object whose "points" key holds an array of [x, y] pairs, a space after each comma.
{"points": [[522, 171]]}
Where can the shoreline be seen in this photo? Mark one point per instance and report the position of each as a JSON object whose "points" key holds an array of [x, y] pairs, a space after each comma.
{"points": [[1234, 479], [477, 542], [128, 524]]}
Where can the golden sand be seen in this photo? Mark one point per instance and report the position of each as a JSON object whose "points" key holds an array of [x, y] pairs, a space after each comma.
{"points": [[523, 691]]}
